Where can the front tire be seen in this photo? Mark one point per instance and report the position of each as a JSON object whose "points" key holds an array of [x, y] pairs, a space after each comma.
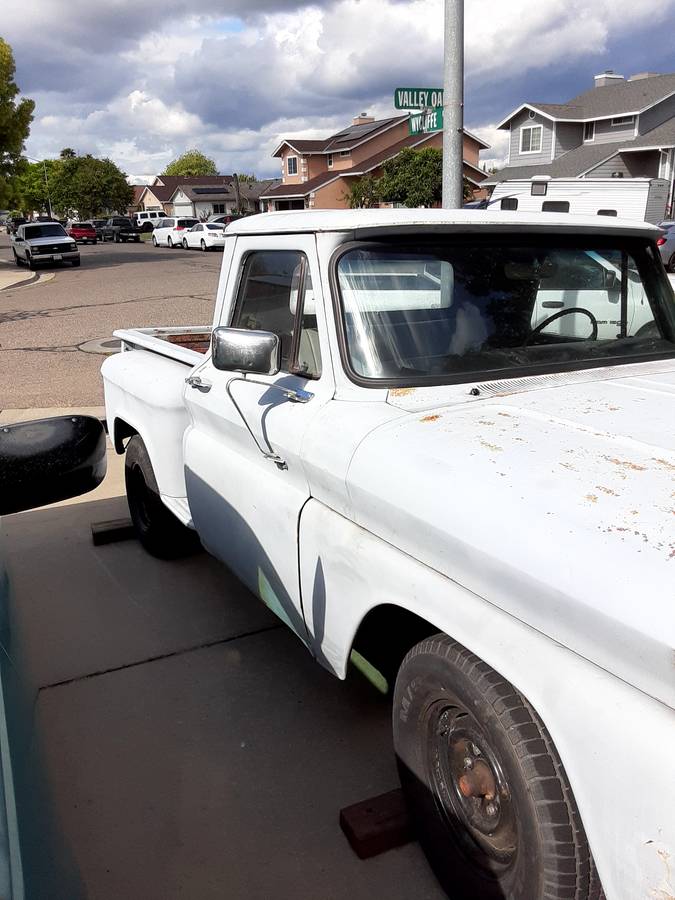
{"points": [[185, 244], [169, 243], [154, 241], [75, 263], [29, 261], [203, 245], [16, 259], [671, 263], [158, 530], [486, 789]]}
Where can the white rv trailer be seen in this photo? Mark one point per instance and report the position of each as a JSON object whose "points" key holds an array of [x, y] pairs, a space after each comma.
{"points": [[628, 198]]}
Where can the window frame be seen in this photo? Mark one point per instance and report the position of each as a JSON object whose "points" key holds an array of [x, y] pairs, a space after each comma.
{"points": [[588, 140], [329, 160], [288, 165], [299, 309], [477, 377], [531, 128], [621, 121]]}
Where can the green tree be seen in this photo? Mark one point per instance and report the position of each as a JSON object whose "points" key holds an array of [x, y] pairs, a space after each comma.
{"points": [[86, 186], [15, 119], [67, 153], [191, 164], [32, 185], [415, 178], [247, 178], [363, 193]]}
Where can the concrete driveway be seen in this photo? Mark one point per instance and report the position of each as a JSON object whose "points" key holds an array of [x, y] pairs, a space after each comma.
{"points": [[192, 749]]}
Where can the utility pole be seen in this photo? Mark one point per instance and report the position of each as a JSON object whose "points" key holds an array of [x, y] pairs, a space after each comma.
{"points": [[453, 105], [237, 194], [49, 199]]}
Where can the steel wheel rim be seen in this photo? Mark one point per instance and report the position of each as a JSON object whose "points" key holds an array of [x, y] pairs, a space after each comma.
{"points": [[470, 789]]}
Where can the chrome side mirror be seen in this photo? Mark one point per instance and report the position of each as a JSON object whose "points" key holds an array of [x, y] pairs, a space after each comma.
{"points": [[242, 350]]}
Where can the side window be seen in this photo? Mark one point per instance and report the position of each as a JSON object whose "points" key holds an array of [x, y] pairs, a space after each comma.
{"points": [[272, 290], [509, 203], [560, 206]]}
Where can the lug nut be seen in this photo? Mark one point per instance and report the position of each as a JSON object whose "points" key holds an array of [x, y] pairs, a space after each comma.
{"points": [[468, 762], [491, 809]]}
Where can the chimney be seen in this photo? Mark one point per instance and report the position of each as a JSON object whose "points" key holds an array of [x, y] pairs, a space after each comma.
{"points": [[607, 77], [642, 75], [363, 119]]}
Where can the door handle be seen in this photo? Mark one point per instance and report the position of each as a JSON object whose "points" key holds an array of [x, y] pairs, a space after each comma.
{"points": [[552, 304], [195, 381]]}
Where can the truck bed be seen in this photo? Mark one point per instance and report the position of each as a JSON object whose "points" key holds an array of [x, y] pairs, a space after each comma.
{"points": [[187, 345]]}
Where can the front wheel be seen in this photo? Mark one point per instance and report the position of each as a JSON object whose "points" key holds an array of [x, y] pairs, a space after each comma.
{"points": [[185, 244], [29, 261], [169, 243], [75, 263], [16, 259], [158, 530], [671, 263], [154, 241], [486, 789]]}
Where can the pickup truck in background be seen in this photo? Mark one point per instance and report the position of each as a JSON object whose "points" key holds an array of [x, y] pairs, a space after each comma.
{"points": [[439, 445], [120, 229]]}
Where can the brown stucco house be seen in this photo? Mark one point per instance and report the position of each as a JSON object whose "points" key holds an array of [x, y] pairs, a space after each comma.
{"points": [[316, 174]]}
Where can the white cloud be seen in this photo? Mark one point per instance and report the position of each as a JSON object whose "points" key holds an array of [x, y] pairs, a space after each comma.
{"points": [[235, 77]]}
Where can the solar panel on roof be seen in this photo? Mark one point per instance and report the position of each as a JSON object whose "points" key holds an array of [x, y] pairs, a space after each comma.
{"points": [[210, 190]]}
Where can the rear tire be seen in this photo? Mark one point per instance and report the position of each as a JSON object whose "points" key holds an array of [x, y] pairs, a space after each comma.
{"points": [[158, 530], [671, 263], [487, 791]]}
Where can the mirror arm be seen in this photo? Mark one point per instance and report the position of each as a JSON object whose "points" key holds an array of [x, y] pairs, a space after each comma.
{"points": [[295, 396]]}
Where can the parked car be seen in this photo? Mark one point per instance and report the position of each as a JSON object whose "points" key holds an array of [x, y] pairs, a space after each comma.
{"points": [[41, 461], [14, 222], [99, 224], [147, 219], [169, 232], [666, 245], [389, 436], [85, 232], [204, 236], [43, 242], [225, 218], [120, 230]]}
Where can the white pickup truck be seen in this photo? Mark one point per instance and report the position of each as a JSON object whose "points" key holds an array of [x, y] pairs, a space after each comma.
{"points": [[442, 445]]}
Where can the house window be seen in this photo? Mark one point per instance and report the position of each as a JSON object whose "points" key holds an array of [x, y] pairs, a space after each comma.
{"points": [[292, 165], [664, 164], [330, 160], [589, 131], [622, 120], [530, 138], [555, 206], [345, 152], [219, 208], [509, 203]]}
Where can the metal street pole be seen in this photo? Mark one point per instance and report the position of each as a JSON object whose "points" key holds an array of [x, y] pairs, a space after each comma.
{"points": [[49, 199], [453, 105]]}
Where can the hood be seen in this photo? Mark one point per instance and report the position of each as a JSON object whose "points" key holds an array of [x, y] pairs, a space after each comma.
{"points": [[42, 241], [555, 504]]}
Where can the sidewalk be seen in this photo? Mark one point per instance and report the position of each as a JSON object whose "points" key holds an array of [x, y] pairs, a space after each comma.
{"points": [[12, 276]]}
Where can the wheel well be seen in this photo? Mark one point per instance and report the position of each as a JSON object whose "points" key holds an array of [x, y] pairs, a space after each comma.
{"points": [[386, 634], [122, 431]]}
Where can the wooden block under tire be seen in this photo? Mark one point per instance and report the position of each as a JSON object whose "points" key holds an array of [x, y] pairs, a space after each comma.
{"points": [[375, 825], [111, 531]]}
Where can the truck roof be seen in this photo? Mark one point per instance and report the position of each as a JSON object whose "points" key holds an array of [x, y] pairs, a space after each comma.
{"points": [[462, 220]]}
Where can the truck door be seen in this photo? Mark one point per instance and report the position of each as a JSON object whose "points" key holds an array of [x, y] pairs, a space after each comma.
{"points": [[246, 506]]}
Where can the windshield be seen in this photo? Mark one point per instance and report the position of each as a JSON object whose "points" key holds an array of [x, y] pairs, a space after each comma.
{"points": [[218, 227], [435, 313], [40, 231]]}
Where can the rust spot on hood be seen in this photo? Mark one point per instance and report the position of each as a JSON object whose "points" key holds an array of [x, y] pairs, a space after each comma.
{"points": [[401, 392], [430, 418], [625, 464]]}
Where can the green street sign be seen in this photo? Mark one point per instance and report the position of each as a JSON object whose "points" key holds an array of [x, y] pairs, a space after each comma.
{"points": [[418, 98], [422, 123]]}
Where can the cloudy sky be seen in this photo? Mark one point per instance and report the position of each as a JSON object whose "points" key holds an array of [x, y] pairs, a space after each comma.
{"points": [[141, 82]]}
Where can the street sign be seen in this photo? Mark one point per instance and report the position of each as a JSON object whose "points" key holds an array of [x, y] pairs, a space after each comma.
{"points": [[425, 122], [418, 98]]}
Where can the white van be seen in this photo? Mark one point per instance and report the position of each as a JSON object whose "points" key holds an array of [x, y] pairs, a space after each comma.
{"points": [[644, 199], [147, 219]]}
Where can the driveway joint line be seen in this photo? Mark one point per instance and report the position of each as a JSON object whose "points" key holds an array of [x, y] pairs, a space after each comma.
{"points": [[160, 656]]}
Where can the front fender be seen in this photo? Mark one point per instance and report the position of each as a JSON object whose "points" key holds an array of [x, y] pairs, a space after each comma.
{"points": [[615, 742]]}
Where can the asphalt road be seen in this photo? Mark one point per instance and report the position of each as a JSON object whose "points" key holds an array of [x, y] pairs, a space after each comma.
{"points": [[43, 325]]}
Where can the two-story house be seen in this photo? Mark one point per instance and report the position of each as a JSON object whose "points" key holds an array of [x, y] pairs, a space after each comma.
{"points": [[316, 174], [621, 128]]}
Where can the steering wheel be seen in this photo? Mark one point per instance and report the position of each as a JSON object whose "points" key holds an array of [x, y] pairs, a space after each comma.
{"points": [[565, 312]]}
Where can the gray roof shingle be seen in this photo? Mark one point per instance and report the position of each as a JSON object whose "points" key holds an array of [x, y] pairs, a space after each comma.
{"points": [[616, 99]]}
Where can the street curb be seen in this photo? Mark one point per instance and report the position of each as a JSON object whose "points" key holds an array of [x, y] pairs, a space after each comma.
{"points": [[34, 277]]}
